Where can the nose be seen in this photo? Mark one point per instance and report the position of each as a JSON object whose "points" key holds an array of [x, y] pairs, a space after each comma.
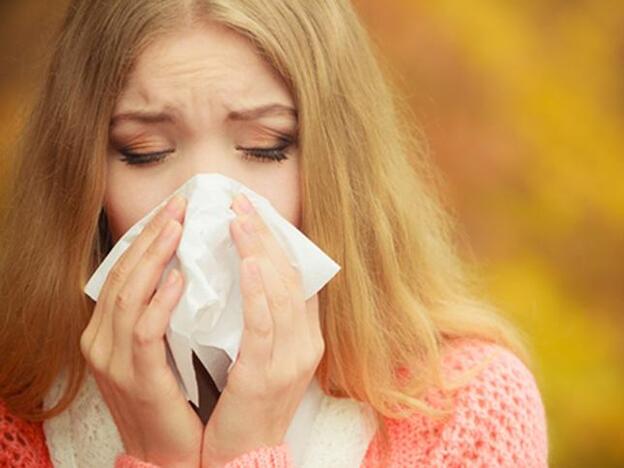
{"points": [[210, 158]]}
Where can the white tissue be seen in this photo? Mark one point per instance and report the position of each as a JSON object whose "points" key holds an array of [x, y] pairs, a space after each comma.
{"points": [[209, 313]]}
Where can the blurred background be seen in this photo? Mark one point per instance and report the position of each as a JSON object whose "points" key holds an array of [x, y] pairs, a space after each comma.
{"points": [[522, 104]]}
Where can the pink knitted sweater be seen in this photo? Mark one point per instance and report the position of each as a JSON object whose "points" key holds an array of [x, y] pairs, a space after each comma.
{"points": [[498, 420]]}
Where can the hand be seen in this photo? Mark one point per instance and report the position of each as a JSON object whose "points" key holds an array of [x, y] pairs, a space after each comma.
{"points": [[281, 347], [124, 347]]}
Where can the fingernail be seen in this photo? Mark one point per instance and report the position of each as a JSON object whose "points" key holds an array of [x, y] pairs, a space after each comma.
{"points": [[244, 204], [175, 204]]}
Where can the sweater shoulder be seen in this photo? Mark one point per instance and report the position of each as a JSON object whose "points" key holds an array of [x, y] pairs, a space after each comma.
{"points": [[497, 416], [22, 443]]}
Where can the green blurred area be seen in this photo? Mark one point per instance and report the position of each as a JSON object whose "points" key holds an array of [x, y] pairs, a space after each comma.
{"points": [[523, 107]]}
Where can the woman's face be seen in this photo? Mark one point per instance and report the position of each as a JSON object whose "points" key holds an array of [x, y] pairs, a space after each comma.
{"points": [[202, 98]]}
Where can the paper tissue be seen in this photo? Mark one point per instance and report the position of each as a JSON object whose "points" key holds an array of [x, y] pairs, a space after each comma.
{"points": [[209, 313]]}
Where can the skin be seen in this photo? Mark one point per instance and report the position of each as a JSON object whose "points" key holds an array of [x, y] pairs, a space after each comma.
{"points": [[202, 75]]}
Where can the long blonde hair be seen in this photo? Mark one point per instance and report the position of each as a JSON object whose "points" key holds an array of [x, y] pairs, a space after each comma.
{"points": [[370, 200]]}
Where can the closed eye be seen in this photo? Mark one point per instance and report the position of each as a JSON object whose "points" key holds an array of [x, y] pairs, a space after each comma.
{"points": [[144, 158], [275, 153]]}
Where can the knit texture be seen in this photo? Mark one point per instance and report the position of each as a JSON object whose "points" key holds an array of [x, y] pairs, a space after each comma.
{"points": [[275, 457], [22, 443], [497, 420]]}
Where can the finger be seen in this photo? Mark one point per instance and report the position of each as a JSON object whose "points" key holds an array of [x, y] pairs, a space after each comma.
{"points": [[148, 340], [317, 341], [314, 319], [257, 337], [253, 238], [262, 239], [135, 295], [286, 330], [102, 322]]}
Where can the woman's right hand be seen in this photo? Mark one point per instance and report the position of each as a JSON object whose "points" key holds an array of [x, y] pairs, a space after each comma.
{"points": [[124, 347]]}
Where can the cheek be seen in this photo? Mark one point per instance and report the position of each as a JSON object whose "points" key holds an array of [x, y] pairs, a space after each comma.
{"points": [[122, 215], [127, 200], [284, 196], [280, 185]]}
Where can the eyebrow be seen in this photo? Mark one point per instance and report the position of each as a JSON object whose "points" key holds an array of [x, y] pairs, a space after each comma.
{"points": [[168, 116]]}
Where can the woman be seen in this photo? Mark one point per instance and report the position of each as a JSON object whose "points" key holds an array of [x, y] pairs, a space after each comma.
{"points": [[285, 96]]}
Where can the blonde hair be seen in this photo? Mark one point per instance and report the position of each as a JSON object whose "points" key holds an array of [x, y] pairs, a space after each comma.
{"points": [[370, 200]]}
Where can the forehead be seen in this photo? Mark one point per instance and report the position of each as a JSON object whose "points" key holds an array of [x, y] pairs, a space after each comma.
{"points": [[209, 66]]}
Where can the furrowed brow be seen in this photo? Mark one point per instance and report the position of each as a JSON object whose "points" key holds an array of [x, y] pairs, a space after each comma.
{"points": [[263, 111]]}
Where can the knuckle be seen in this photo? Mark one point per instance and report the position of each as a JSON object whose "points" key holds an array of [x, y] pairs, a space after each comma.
{"points": [[118, 274], [123, 301], [262, 330], [158, 301], [312, 359], [153, 253], [319, 349], [254, 290], [85, 343], [279, 300], [292, 277], [142, 337], [155, 225], [97, 360]]}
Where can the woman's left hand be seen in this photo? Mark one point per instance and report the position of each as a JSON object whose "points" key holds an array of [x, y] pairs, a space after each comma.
{"points": [[281, 347]]}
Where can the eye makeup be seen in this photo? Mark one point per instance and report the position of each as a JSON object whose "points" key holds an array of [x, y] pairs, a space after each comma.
{"points": [[271, 154]]}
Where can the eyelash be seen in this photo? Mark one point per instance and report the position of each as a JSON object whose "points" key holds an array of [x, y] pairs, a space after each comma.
{"points": [[276, 153]]}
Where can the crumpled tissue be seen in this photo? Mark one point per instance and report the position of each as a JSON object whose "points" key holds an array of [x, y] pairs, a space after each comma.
{"points": [[209, 314]]}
